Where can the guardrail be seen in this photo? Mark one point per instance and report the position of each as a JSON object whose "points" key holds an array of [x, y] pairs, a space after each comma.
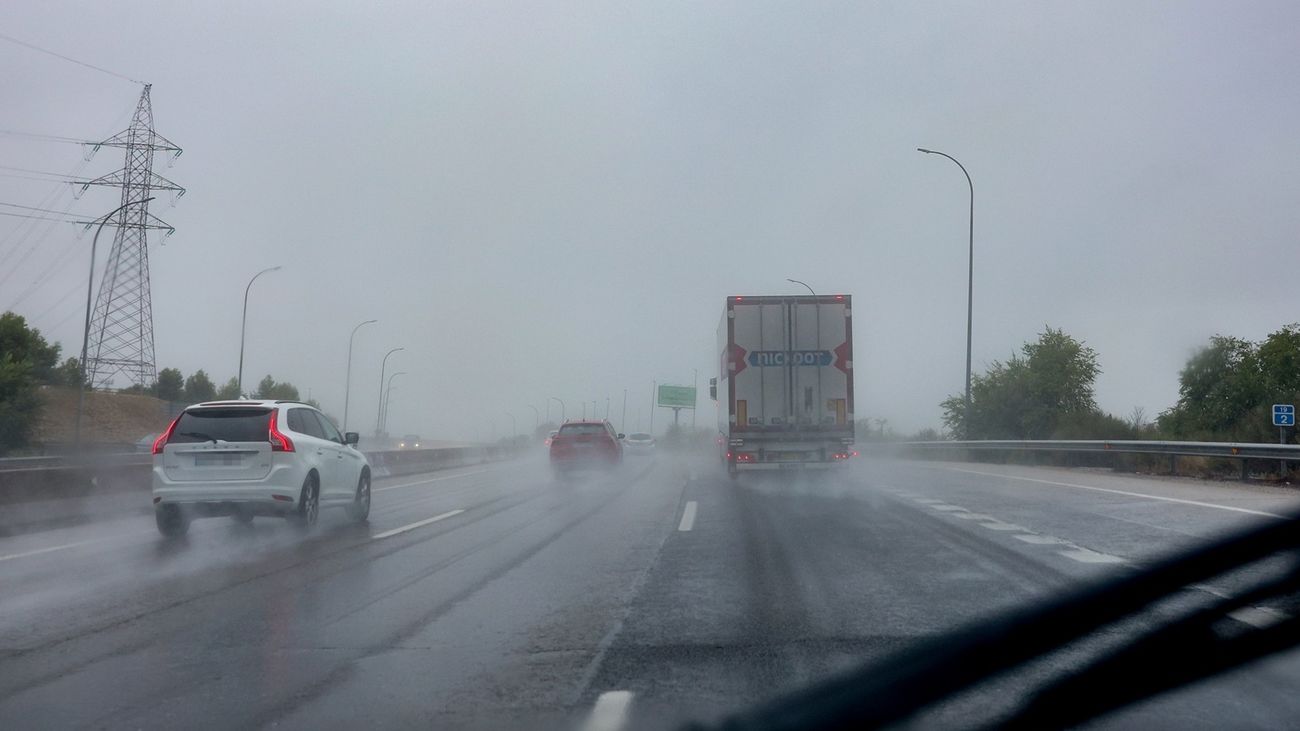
{"points": [[40, 490], [1223, 450]]}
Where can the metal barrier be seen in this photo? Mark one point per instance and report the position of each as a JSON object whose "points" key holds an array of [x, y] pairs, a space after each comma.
{"points": [[1223, 450], [37, 490]]}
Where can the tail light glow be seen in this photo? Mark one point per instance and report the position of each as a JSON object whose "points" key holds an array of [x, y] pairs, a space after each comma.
{"points": [[161, 441], [279, 442]]}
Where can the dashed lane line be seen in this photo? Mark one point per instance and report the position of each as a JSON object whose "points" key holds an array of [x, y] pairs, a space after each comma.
{"points": [[1084, 555], [417, 524], [610, 711], [1040, 540], [50, 549], [999, 525], [1255, 616], [431, 479], [688, 516], [1128, 493]]}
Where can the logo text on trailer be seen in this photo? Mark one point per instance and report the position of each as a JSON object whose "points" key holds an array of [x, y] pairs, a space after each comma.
{"points": [[779, 358]]}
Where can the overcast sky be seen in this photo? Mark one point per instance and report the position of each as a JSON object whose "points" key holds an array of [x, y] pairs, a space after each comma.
{"points": [[553, 199]]}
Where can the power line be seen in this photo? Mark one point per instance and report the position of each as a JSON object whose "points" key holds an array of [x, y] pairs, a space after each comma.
{"points": [[101, 69], [32, 208], [32, 217], [78, 287], [38, 136], [37, 172]]}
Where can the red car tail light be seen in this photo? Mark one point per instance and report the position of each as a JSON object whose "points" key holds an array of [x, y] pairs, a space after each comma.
{"points": [[161, 441], [279, 442]]}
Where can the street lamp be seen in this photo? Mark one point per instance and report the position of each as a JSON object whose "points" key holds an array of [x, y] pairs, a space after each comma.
{"points": [[379, 420], [810, 289], [537, 417], [562, 409], [387, 395], [243, 325], [85, 337], [514, 425], [970, 280], [347, 388]]}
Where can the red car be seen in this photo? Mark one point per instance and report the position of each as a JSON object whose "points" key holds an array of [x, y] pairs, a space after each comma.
{"points": [[581, 444]]}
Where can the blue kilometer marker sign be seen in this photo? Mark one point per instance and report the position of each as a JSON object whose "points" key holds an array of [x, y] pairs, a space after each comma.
{"points": [[777, 358], [1283, 414]]}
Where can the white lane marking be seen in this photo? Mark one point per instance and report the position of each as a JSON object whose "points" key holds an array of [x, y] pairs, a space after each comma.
{"points": [[610, 711], [928, 500], [1038, 540], [688, 516], [1083, 555], [974, 516], [432, 479], [999, 525], [949, 508], [1197, 503], [417, 524], [39, 551], [1258, 617]]}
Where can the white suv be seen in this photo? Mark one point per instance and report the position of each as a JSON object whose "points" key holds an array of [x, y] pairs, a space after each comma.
{"points": [[249, 458]]}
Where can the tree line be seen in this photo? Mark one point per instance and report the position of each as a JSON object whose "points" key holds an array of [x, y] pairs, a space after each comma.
{"points": [[28, 362], [1046, 391]]}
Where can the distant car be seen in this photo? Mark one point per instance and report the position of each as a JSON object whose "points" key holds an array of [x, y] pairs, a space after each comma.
{"points": [[410, 441], [250, 458], [144, 444], [550, 437], [580, 444], [639, 443]]}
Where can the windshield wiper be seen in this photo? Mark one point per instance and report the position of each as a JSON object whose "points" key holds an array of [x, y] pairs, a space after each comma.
{"points": [[1189, 647], [200, 435]]}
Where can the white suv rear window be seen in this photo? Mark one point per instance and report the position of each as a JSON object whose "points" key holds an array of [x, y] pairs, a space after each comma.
{"points": [[223, 425]]}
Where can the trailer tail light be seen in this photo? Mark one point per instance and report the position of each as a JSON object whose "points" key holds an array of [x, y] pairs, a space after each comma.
{"points": [[161, 441], [279, 442], [744, 456], [840, 455]]}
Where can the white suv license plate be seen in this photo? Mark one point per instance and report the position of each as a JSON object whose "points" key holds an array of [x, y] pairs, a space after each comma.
{"points": [[218, 460]]}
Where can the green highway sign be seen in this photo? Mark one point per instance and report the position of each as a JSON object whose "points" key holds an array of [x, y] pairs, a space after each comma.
{"points": [[677, 397]]}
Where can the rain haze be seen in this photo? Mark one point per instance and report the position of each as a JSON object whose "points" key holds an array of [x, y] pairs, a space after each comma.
{"points": [[553, 199], [510, 221]]}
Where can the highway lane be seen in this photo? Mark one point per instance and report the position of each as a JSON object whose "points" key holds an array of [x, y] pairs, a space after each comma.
{"points": [[493, 596]]}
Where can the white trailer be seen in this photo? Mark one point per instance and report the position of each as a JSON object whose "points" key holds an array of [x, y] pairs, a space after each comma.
{"points": [[785, 386]]}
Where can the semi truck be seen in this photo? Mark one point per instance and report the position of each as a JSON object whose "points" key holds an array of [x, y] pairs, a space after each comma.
{"points": [[784, 390]]}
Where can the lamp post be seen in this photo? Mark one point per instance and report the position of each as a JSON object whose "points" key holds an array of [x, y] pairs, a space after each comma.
{"points": [[514, 425], [537, 417], [243, 326], [347, 388], [387, 395], [562, 409], [379, 420], [85, 337], [654, 387], [810, 289], [695, 384], [970, 280]]}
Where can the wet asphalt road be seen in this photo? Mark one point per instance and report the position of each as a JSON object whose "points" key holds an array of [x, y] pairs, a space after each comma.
{"points": [[495, 597]]}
